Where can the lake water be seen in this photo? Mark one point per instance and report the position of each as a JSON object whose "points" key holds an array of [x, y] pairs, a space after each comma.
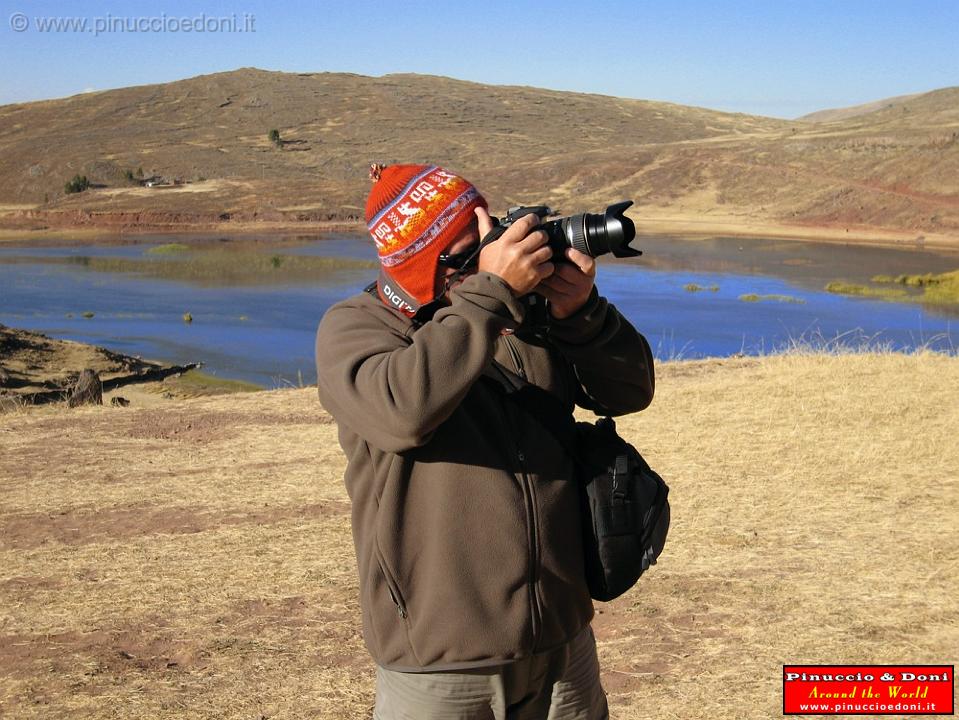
{"points": [[256, 302]]}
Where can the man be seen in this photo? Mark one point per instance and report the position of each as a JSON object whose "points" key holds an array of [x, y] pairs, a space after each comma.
{"points": [[465, 508]]}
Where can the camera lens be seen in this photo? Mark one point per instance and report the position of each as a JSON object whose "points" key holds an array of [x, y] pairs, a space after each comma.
{"points": [[594, 234]]}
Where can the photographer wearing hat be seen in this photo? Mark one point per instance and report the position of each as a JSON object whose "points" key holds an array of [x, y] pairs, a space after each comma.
{"points": [[465, 509]]}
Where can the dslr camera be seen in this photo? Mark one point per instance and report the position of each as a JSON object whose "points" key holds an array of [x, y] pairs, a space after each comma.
{"points": [[593, 234]]}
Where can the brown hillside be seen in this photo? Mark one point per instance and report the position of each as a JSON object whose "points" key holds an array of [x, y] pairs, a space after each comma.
{"points": [[844, 113], [888, 171]]}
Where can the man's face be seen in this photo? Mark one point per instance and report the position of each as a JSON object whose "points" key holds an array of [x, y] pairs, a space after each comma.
{"points": [[465, 242]]}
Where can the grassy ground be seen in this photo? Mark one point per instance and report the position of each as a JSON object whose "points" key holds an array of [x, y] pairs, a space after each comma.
{"points": [[194, 560]]}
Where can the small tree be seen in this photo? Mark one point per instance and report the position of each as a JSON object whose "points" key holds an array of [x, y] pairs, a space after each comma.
{"points": [[78, 184], [275, 137]]}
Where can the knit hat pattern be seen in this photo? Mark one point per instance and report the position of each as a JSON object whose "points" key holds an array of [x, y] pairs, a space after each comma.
{"points": [[413, 213]]}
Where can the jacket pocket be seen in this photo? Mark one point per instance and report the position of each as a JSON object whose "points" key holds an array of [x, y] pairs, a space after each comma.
{"points": [[392, 586]]}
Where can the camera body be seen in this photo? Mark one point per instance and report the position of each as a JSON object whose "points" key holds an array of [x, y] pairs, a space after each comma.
{"points": [[591, 234]]}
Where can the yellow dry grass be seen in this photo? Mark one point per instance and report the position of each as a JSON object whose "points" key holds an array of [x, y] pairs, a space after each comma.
{"points": [[195, 560]]}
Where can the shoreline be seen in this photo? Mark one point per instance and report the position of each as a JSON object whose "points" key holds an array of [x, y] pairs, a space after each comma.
{"points": [[684, 227], [132, 235], [35, 361], [35, 364], [694, 229]]}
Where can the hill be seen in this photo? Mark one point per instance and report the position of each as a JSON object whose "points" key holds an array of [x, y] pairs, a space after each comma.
{"points": [[844, 113], [889, 173], [194, 559]]}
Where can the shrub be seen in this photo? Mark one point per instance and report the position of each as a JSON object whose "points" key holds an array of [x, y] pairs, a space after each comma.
{"points": [[78, 184]]}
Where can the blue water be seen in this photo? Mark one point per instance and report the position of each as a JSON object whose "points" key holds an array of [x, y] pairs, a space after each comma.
{"points": [[683, 324], [265, 333]]}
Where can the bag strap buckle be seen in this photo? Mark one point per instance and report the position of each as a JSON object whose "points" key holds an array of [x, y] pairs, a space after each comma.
{"points": [[620, 478]]}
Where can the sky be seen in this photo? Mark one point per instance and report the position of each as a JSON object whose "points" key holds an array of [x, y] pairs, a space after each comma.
{"points": [[781, 58]]}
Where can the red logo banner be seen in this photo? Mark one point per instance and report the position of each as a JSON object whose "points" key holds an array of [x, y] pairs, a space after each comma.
{"points": [[868, 689]]}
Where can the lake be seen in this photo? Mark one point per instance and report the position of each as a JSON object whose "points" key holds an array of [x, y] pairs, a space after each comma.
{"points": [[255, 301]]}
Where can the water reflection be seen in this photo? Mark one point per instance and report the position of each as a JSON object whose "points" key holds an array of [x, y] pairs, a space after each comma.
{"points": [[255, 302]]}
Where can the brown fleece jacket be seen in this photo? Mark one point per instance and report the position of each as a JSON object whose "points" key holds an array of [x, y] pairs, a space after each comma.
{"points": [[465, 513]]}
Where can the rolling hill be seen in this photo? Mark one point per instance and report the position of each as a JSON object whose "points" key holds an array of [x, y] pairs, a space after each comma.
{"points": [[893, 169]]}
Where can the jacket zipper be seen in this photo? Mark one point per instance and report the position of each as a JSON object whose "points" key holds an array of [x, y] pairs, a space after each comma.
{"points": [[391, 587], [529, 497], [514, 356]]}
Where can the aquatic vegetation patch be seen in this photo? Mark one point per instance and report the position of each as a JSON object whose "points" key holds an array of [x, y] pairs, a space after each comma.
{"points": [[843, 288], [198, 383], [694, 287], [932, 289], [941, 289], [224, 267], [753, 297], [168, 249]]}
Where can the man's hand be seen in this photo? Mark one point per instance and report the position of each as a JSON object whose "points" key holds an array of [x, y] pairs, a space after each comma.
{"points": [[520, 256], [569, 287]]}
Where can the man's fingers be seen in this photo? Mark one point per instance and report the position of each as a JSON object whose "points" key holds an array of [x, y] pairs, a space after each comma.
{"points": [[532, 242], [563, 279], [521, 229], [560, 285], [485, 221], [549, 291], [545, 270], [542, 254], [584, 262]]}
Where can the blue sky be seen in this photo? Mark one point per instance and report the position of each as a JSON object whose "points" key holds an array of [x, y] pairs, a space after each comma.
{"points": [[778, 57]]}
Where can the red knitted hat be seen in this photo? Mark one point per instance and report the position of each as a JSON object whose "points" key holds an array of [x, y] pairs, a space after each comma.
{"points": [[413, 213]]}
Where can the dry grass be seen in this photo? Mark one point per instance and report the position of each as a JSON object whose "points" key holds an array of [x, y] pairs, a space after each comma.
{"points": [[195, 560], [887, 176]]}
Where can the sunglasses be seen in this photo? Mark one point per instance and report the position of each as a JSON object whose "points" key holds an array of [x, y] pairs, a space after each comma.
{"points": [[460, 260]]}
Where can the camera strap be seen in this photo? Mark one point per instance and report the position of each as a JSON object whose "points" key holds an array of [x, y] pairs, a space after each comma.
{"points": [[543, 405]]}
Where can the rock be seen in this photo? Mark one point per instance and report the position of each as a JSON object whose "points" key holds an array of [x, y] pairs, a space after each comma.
{"points": [[87, 391], [119, 402]]}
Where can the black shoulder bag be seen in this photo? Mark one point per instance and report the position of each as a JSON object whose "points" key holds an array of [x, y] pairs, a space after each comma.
{"points": [[624, 503]]}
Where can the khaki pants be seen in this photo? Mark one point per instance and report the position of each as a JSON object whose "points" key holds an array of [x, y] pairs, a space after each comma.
{"points": [[558, 685]]}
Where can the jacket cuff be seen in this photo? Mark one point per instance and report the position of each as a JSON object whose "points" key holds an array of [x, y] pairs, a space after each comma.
{"points": [[583, 325], [491, 293]]}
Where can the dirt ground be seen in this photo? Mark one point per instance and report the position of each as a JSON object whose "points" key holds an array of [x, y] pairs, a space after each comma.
{"points": [[194, 560]]}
